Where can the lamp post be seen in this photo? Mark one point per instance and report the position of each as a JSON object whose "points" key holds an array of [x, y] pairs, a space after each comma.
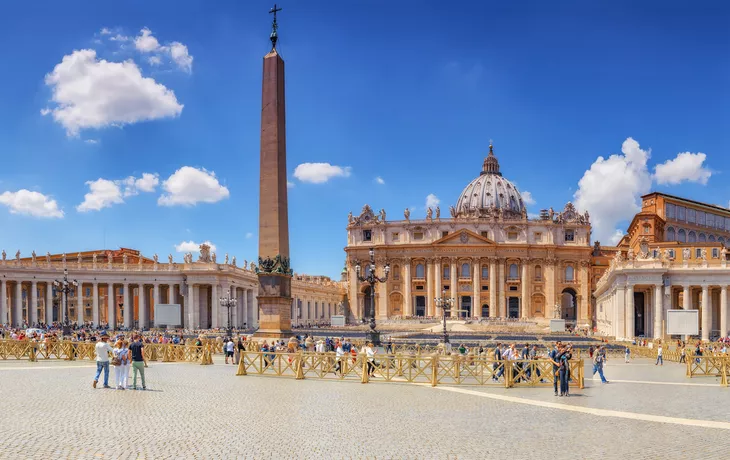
{"points": [[64, 287], [229, 303], [371, 279], [445, 304]]}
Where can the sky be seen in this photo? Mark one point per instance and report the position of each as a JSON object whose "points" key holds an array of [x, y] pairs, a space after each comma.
{"points": [[136, 124]]}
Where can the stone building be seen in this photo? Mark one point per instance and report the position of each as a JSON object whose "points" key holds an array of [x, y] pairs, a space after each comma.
{"points": [[121, 288], [673, 256], [487, 255]]}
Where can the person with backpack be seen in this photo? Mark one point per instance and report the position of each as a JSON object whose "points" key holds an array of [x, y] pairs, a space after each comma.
{"points": [[598, 362]]}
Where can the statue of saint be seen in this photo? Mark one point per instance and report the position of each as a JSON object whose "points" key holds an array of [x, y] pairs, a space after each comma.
{"points": [[233, 261], [245, 264], [169, 259], [93, 258], [212, 258], [78, 258], [438, 212], [350, 219], [5, 256], [558, 311], [429, 213], [551, 213], [630, 254], [452, 210], [33, 257], [686, 254], [124, 259], [48, 258], [226, 260], [407, 214], [723, 253], [156, 258], [382, 215], [17, 255]]}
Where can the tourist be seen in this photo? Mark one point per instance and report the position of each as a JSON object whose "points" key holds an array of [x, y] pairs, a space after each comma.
{"points": [[138, 361], [553, 357], [103, 350], [497, 367], [389, 346], [339, 353], [598, 363], [534, 356], [370, 353], [590, 351], [564, 370], [627, 354], [229, 348], [463, 349], [119, 354], [659, 357], [683, 355]]}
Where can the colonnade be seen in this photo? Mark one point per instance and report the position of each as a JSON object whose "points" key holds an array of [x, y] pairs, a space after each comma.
{"points": [[310, 308]]}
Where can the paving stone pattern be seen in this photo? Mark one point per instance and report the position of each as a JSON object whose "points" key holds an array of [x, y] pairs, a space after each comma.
{"points": [[50, 411]]}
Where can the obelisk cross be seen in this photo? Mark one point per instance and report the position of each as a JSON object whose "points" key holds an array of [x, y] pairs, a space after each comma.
{"points": [[274, 26]]}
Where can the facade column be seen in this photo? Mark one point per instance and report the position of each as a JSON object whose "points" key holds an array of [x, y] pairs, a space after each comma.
{"points": [[500, 289], [33, 307], [437, 285], [382, 289], [658, 296], [630, 312], [234, 313], [620, 303], [142, 304], [18, 316], [80, 303], [686, 303], [4, 302], [95, 304], [155, 295], [430, 275], [723, 311], [127, 307], [193, 314], [476, 300], [184, 320], [49, 303], [525, 282], [244, 309], [215, 306], [706, 313], [407, 301], [111, 314], [493, 305], [454, 288]]}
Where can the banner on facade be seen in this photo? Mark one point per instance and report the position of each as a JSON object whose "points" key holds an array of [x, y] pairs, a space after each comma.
{"points": [[167, 315], [683, 322]]}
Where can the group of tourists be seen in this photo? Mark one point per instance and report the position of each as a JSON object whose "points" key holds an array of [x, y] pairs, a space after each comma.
{"points": [[122, 356]]}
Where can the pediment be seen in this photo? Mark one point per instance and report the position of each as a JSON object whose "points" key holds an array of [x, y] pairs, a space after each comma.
{"points": [[464, 237]]}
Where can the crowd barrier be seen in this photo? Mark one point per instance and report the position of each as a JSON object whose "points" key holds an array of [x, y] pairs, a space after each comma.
{"points": [[712, 366], [406, 368]]}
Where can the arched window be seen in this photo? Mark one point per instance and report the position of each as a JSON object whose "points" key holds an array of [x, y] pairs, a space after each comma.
{"points": [[691, 237], [671, 236], [396, 272], [702, 238], [711, 238], [485, 272], [569, 273], [513, 272], [721, 240], [681, 236], [419, 271], [538, 272], [447, 272], [465, 270]]}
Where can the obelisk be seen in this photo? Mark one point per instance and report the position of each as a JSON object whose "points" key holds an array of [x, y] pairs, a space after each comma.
{"points": [[274, 271]]}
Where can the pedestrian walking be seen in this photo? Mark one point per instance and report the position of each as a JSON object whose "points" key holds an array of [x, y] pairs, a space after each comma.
{"points": [[553, 357], [497, 367], [229, 348], [659, 355], [683, 355], [598, 363], [138, 361], [370, 353], [103, 350], [627, 354]]}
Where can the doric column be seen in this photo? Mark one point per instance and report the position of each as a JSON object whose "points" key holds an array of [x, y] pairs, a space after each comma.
{"points": [[493, 304], [155, 296], [127, 307], [430, 275], [18, 316], [183, 305], [234, 313], [4, 302], [476, 301], [620, 304], [525, 282], [215, 306], [686, 303], [630, 312], [658, 297], [706, 313], [80, 303], [111, 302], [382, 289], [142, 306], [439, 274], [95, 304], [194, 292], [585, 291], [454, 288], [33, 307], [407, 301], [244, 308], [500, 289], [723, 311], [49, 303]]}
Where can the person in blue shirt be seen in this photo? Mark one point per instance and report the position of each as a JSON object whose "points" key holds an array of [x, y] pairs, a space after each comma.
{"points": [[553, 356]]}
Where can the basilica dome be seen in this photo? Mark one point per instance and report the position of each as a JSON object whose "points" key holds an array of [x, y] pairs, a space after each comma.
{"points": [[490, 194]]}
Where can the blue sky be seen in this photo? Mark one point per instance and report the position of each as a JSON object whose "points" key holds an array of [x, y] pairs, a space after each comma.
{"points": [[410, 92]]}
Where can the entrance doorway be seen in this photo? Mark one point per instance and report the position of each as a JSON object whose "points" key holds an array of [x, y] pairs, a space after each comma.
{"points": [[567, 304], [639, 314], [420, 305], [513, 304], [465, 307], [485, 311]]}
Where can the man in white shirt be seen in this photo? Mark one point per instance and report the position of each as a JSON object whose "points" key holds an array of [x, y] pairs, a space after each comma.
{"points": [[659, 357], [102, 359]]}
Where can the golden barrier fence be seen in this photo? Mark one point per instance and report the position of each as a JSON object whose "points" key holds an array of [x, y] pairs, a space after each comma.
{"points": [[407, 368], [66, 350], [713, 366]]}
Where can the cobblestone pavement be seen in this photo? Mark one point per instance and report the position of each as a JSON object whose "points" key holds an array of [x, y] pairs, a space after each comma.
{"points": [[51, 411]]}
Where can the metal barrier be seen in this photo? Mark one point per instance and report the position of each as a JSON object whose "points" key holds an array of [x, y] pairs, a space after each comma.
{"points": [[430, 369], [714, 366]]}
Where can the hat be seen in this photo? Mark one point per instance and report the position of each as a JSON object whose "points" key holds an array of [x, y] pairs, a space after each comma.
{"points": [[103, 334]]}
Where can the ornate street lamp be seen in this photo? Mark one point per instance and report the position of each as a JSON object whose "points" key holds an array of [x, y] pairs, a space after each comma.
{"points": [[64, 287], [445, 304], [371, 279], [229, 303]]}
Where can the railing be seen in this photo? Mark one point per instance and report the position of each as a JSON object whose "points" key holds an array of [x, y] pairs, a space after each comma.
{"points": [[430, 369], [714, 366]]}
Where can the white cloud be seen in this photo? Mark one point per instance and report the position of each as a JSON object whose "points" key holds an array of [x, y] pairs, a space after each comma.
{"points": [[611, 188], [432, 201], [379, 180], [91, 141], [154, 60], [105, 31], [527, 197], [249, 235], [290, 184], [119, 38], [188, 186], [616, 237], [319, 173], [30, 203], [104, 193], [93, 93], [146, 42], [179, 54], [45, 111], [685, 167], [191, 246]]}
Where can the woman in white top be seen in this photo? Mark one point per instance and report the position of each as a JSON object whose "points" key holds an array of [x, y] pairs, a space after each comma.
{"points": [[339, 353], [120, 372], [370, 352]]}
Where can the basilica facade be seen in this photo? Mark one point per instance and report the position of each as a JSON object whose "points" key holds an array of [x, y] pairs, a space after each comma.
{"points": [[486, 255]]}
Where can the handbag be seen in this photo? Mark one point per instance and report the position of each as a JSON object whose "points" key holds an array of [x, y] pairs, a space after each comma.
{"points": [[116, 361]]}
